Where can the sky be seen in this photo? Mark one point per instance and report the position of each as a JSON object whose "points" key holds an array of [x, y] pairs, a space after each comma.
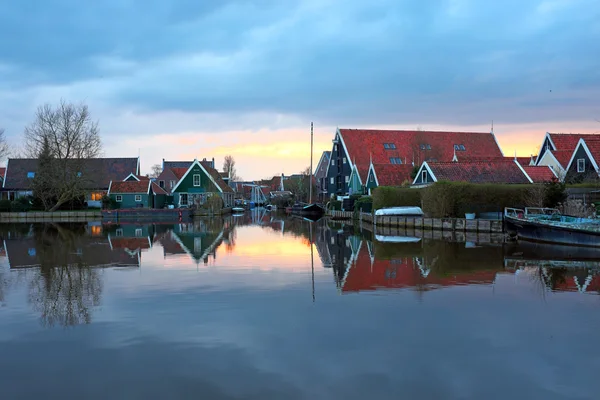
{"points": [[189, 79]]}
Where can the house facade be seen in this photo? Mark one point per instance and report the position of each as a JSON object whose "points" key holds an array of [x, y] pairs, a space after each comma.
{"points": [[557, 150], [97, 174], [320, 174], [358, 148], [133, 193], [583, 165], [200, 182]]}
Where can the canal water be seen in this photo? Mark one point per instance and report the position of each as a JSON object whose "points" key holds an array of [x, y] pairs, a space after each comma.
{"points": [[264, 307]]}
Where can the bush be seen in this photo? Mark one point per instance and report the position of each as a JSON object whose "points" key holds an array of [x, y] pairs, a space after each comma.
{"points": [[396, 197], [555, 192], [5, 205], [454, 199], [108, 203], [21, 204], [363, 204], [335, 205]]}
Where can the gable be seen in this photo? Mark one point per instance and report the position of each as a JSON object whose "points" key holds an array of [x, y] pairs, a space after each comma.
{"points": [[199, 178]]}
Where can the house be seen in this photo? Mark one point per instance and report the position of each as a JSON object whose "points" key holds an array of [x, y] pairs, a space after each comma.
{"points": [[320, 175], [198, 183], [387, 175], [97, 173], [361, 147], [557, 150], [132, 193], [494, 171], [583, 165]]}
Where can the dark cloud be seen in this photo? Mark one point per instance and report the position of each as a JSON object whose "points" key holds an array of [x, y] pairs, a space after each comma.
{"points": [[381, 62]]}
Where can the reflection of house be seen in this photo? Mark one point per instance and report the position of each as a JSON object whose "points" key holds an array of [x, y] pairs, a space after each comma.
{"points": [[198, 245], [96, 173], [371, 273], [86, 251]]}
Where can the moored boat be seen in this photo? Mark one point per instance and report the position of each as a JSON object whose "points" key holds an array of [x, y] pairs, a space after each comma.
{"points": [[400, 211], [548, 225]]}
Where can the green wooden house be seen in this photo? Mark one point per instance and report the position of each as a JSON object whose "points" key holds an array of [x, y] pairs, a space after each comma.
{"points": [[355, 185], [133, 193], [198, 184]]}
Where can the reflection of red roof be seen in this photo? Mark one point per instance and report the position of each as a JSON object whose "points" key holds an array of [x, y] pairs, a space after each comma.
{"points": [[403, 273], [130, 243], [540, 174], [574, 283], [479, 172], [362, 144], [129, 187], [392, 174]]}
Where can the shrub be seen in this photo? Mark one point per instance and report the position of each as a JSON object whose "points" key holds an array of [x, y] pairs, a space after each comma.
{"points": [[454, 199], [363, 204], [109, 203], [5, 205], [213, 203], [396, 197], [555, 192], [335, 205]]}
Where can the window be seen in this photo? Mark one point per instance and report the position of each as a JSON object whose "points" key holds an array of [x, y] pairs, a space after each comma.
{"points": [[96, 196], [119, 232], [332, 161], [389, 146], [197, 245], [31, 175], [96, 230], [138, 232], [332, 181], [344, 160], [161, 184], [335, 147], [581, 165], [347, 178], [459, 147], [172, 184], [31, 251], [425, 146], [138, 197], [183, 199], [396, 160], [424, 176], [79, 174], [119, 198], [197, 180]]}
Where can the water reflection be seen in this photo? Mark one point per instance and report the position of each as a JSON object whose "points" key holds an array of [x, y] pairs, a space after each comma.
{"points": [[69, 258]]}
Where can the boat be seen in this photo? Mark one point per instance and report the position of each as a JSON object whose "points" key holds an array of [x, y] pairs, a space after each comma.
{"points": [[550, 226], [238, 209], [397, 239], [400, 211], [311, 210]]}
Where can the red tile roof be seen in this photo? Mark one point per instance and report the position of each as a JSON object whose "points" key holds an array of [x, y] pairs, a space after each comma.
{"points": [[2, 172], [540, 174], [478, 172], [565, 144], [157, 189], [593, 146], [392, 174], [225, 188], [179, 172], [129, 187], [362, 144]]}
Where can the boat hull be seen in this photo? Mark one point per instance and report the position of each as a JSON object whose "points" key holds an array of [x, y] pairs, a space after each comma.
{"points": [[540, 232], [313, 211]]}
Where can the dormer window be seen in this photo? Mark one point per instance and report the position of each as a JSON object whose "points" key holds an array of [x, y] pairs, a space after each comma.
{"points": [[395, 160], [459, 147], [31, 175], [425, 146], [389, 146]]}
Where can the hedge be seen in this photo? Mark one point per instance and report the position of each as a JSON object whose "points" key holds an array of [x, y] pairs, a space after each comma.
{"points": [[396, 197], [454, 199]]}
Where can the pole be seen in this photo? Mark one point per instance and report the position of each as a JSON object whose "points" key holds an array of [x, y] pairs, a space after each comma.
{"points": [[311, 165], [312, 262]]}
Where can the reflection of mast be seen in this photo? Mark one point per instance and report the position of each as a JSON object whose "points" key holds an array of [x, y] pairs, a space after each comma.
{"points": [[312, 261]]}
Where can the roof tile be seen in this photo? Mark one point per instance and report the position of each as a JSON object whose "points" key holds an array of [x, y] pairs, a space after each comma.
{"points": [[479, 172]]}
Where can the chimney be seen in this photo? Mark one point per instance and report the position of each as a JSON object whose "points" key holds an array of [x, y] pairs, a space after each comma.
{"points": [[213, 162]]}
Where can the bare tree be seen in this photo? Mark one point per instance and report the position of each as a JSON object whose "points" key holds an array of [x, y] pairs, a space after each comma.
{"points": [[156, 171], [229, 167], [4, 147], [61, 138]]}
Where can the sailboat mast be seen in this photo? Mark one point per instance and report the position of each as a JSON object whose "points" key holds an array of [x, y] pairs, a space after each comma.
{"points": [[311, 165]]}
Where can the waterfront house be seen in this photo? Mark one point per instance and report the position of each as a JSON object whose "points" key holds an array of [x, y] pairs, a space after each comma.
{"points": [[132, 193], [557, 150], [498, 171], [320, 174], [198, 183], [361, 147], [583, 165], [97, 174]]}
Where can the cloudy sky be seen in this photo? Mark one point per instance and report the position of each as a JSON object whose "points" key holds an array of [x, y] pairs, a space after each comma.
{"points": [[184, 79]]}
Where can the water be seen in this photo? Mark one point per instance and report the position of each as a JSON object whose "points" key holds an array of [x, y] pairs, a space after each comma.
{"points": [[234, 309]]}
